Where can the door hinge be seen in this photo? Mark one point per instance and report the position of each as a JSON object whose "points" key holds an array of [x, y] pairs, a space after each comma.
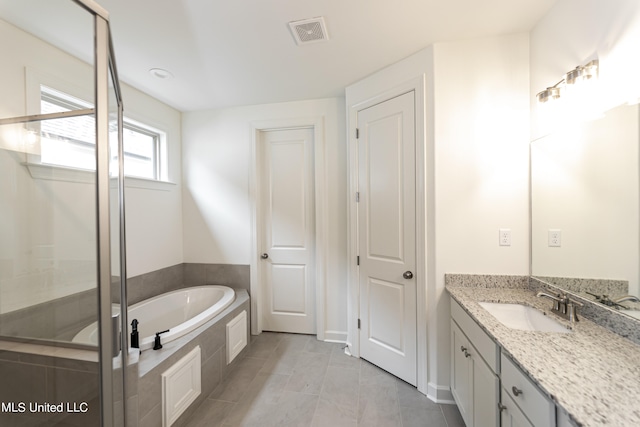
{"points": [[357, 197], [358, 260], [357, 133], [358, 323]]}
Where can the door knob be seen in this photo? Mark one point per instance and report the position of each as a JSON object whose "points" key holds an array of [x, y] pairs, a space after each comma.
{"points": [[407, 275], [264, 256]]}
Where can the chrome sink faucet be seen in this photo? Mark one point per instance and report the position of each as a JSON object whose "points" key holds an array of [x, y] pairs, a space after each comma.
{"points": [[558, 300], [615, 303], [563, 306], [631, 298]]}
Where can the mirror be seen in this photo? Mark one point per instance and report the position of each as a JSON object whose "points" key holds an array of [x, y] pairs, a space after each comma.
{"points": [[585, 200]]}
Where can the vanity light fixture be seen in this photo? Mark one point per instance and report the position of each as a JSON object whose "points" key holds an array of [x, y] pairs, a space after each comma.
{"points": [[579, 74], [550, 93]]}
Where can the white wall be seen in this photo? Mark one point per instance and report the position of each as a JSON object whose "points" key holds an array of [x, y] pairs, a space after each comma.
{"points": [[481, 167], [48, 235], [154, 217], [216, 198], [477, 134]]}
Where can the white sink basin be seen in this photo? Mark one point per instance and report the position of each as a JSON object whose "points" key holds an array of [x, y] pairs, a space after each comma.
{"points": [[522, 317]]}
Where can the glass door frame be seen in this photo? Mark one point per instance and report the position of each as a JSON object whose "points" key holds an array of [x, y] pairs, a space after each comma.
{"points": [[113, 350]]}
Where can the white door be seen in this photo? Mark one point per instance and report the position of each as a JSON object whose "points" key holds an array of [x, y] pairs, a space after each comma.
{"points": [[287, 230], [386, 235]]}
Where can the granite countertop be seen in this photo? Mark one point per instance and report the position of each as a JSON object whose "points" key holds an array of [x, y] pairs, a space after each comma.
{"points": [[592, 373]]}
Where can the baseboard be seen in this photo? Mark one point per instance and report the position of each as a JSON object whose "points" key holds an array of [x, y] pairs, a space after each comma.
{"points": [[440, 394], [335, 336]]}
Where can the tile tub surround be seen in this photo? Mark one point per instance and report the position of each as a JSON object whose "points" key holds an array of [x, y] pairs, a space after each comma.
{"points": [[34, 373], [59, 319], [185, 275], [37, 373], [211, 337], [591, 373]]}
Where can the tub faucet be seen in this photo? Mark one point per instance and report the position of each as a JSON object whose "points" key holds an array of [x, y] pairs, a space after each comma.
{"points": [[157, 345], [135, 338]]}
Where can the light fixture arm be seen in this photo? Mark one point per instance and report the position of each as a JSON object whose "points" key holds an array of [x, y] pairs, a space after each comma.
{"points": [[581, 72]]}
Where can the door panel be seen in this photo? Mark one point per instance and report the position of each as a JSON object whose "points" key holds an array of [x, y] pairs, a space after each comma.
{"points": [[288, 296], [287, 187], [287, 230], [386, 296], [386, 235]]}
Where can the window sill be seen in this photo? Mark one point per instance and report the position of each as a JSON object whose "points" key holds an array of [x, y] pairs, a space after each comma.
{"points": [[148, 184], [63, 173]]}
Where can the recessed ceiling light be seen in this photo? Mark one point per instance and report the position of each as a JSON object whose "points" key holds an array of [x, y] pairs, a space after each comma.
{"points": [[161, 73]]}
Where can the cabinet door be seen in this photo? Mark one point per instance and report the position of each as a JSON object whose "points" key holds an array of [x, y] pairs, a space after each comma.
{"points": [[486, 390], [511, 415], [461, 375], [562, 418]]}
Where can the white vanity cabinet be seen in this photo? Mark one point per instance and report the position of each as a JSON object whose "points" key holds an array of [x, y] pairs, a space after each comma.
{"points": [[474, 383], [526, 395], [488, 387]]}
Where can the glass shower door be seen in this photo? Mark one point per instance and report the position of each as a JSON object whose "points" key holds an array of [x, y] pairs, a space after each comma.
{"points": [[62, 258]]}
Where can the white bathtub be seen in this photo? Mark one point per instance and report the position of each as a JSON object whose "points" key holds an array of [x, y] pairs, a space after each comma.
{"points": [[179, 311]]}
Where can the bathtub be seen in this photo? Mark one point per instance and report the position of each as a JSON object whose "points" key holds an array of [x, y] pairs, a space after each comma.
{"points": [[179, 311]]}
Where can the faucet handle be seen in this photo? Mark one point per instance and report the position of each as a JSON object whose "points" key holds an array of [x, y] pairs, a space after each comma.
{"points": [[572, 310]]}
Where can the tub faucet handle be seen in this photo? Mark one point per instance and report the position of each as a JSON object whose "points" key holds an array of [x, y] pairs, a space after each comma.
{"points": [[157, 345]]}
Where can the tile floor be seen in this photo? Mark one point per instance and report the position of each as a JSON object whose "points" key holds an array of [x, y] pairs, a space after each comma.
{"points": [[295, 380]]}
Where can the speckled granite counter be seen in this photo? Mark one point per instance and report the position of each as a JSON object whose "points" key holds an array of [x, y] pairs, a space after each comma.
{"points": [[593, 373]]}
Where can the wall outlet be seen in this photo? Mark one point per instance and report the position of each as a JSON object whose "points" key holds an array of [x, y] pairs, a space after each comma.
{"points": [[505, 237], [555, 238]]}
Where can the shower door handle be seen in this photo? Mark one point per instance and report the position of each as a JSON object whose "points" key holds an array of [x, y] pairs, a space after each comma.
{"points": [[264, 256], [115, 335], [407, 275]]}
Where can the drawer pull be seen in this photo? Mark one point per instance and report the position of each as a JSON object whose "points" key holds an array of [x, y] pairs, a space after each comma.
{"points": [[516, 391], [501, 407], [464, 350]]}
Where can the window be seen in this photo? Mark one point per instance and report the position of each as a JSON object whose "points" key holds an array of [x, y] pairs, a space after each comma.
{"points": [[70, 141]]}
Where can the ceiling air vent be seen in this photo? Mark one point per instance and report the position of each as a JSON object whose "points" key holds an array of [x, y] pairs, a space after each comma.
{"points": [[309, 31]]}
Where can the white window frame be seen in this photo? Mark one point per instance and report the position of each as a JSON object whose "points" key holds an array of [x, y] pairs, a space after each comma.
{"points": [[34, 80]]}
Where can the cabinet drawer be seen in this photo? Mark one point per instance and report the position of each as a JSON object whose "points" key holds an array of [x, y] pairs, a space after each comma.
{"points": [[487, 348], [533, 403], [511, 415]]}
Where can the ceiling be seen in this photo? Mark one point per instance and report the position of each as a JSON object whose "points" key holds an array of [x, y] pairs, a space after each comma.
{"points": [[225, 53]]}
